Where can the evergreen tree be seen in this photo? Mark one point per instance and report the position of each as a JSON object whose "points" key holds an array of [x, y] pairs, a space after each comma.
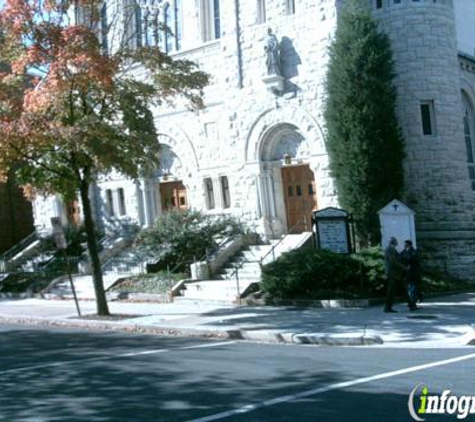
{"points": [[364, 143]]}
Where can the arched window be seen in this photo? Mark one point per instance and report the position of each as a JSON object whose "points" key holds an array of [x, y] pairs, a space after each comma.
{"points": [[469, 135]]}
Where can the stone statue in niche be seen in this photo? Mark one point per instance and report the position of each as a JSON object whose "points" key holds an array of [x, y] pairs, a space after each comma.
{"points": [[272, 49]]}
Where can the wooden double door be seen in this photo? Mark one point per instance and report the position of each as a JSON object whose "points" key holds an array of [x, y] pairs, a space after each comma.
{"points": [[173, 196], [300, 197]]}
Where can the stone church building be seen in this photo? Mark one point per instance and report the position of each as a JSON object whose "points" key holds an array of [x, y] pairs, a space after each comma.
{"points": [[257, 151]]}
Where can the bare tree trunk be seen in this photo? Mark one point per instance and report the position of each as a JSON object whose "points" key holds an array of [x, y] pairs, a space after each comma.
{"points": [[101, 301]]}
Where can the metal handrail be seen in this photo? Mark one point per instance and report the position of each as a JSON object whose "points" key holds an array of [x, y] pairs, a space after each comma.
{"points": [[303, 220], [18, 247], [261, 260]]}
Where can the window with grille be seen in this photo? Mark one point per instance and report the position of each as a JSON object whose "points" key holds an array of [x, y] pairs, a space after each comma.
{"points": [[158, 24], [210, 204], [225, 192], [120, 193], [109, 203], [261, 11], [290, 7]]}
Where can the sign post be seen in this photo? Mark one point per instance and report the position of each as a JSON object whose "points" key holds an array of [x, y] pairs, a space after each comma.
{"points": [[332, 230], [61, 245]]}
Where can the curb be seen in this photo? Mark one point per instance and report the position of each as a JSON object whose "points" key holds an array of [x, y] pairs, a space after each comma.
{"points": [[28, 295], [338, 339], [114, 327], [299, 338], [320, 304], [247, 335]]}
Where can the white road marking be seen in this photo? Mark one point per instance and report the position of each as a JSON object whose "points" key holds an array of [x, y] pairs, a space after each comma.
{"points": [[110, 357], [337, 386], [199, 346]]}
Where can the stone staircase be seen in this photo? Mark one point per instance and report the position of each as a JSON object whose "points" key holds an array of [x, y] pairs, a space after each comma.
{"points": [[125, 263], [242, 271]]}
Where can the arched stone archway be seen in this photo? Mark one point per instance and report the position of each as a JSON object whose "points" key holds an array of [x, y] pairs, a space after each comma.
{"points": [[286, 138], [286, 181], [277, 120], [176, 166]]}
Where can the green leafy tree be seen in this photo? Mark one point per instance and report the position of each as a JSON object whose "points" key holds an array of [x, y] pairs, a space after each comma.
{"points": [[364, 143], [179, 238], [70, 109]]}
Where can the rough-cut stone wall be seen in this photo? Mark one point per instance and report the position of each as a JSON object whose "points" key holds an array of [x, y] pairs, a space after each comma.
{"points": [[437, 183], [238, 101], [233, 135]]}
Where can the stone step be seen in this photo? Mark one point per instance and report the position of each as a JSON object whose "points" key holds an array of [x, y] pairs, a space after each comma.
{"points": [[215, 289], [244, 270]]}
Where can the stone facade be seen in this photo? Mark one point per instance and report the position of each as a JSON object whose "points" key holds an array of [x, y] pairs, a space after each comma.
{"points": [[252, 129], [432, 69]]}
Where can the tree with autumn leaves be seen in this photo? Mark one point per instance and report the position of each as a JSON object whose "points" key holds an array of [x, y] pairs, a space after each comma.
{"points": [[70, 109]]}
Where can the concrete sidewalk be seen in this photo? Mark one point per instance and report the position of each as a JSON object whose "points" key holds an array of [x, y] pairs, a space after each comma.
{"points": [[443, 322]]}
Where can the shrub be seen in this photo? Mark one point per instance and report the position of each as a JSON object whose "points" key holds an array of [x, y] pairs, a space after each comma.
{"points": [[179, 237], [312, 274], [320, 274], [373, 278]]}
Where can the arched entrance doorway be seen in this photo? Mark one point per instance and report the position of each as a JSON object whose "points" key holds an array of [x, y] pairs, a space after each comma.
{"points": [[171, 190], [286, 178]]}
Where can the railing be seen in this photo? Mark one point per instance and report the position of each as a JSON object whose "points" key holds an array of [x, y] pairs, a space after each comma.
{"points": [[205, 257], [124, 265], [6, 257], [300, 222], [62, 265]]}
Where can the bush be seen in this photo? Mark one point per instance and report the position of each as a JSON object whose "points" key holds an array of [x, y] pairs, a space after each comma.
{"points": [[180, 237], [312, 274], [373, 277], [319, 274]]}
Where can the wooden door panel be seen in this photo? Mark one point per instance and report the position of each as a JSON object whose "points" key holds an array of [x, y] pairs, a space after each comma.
{"points": [[300, 196]]}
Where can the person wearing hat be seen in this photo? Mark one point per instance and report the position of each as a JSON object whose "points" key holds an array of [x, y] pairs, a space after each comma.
{"points": [[410, 258], [394, 271]]}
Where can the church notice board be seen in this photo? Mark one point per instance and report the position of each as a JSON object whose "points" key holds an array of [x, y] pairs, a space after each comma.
{"points": [[332, 230]]}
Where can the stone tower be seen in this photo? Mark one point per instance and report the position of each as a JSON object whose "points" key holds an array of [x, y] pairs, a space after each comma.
{"points": [[438, 183]]}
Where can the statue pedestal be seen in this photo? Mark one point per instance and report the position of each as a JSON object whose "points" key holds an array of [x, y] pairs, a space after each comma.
{"points": [[275, 83]]}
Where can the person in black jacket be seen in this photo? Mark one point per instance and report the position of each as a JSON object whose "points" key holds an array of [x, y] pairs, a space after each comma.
{"points": [[410, 258], [394, 271]]}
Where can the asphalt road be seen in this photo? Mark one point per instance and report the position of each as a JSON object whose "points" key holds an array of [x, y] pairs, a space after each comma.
{"points": [[66, 375]]}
